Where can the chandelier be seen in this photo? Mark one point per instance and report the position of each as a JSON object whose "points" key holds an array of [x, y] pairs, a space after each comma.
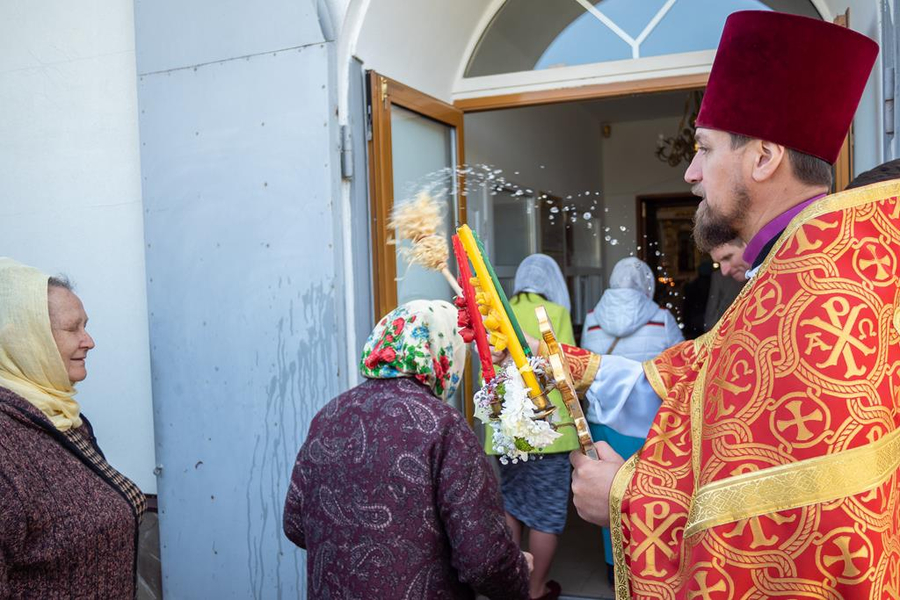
{"points": [[683, 145]]}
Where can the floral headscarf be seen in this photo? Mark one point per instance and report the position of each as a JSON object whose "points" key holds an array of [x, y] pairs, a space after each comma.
{"points": [[418, 339]]}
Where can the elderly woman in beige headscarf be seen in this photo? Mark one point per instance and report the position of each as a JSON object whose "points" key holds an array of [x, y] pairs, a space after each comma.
{"points": [[68, 520], [391, 495]]}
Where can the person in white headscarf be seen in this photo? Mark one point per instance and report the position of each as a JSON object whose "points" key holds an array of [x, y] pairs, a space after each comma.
{"points": [[539, 274], [627, 322]]}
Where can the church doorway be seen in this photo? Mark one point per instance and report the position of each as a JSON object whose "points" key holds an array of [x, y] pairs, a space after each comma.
{"points": [[571, 180]]}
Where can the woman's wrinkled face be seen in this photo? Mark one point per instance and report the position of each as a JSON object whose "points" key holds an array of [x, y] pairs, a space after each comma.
{"points": [[67, 322]]}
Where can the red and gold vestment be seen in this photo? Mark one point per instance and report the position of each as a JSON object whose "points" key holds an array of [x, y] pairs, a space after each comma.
{"points": [[771, 468]]}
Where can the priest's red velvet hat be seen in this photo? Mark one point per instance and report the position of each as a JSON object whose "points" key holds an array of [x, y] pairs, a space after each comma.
{"points": [[787, 79]]}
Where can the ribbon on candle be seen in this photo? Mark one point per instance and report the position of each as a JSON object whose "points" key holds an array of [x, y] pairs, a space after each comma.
{"points": [[466, 303], [496, 318]]}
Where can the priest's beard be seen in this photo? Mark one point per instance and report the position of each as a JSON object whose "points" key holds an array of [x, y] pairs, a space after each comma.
{"points": [[713, 228]]}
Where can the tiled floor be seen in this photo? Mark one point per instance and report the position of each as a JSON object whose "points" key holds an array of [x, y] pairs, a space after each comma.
{"points": [[149, 575]]}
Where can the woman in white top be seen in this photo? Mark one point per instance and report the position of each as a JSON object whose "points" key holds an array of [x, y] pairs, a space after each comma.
{"points": [[626, 322], [627, 316]]}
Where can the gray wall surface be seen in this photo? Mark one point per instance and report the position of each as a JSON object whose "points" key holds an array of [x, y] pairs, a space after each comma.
{"points": [[239, 158]]}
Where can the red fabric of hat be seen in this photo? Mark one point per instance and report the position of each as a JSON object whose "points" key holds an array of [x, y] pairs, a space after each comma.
{"points": [[787, 79]]}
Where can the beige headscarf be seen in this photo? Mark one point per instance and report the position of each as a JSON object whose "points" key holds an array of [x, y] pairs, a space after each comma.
{"points": [[30, 364]]}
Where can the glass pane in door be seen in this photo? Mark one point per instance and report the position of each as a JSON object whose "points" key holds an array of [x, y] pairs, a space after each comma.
{"points": [[423, 149], [514, 233]]}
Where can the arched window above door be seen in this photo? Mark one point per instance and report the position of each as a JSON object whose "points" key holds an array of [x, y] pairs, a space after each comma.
{"points": [[528, 35]]}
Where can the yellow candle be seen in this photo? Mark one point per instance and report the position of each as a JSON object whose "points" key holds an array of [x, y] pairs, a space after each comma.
{"points": [[496, 312]]}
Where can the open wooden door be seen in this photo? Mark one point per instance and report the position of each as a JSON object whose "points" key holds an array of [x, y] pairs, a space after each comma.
{"points": [[416, 142]]}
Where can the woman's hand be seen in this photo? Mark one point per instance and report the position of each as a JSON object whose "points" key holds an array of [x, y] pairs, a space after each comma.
{"points": [[529, 558], [498, 358]]}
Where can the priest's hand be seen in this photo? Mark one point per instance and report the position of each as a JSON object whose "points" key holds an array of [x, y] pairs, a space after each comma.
{"points": [[592, 481]]}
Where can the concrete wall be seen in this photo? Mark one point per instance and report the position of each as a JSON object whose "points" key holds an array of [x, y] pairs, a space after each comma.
{"points": [[70, 183], [239, 148], [631, 169]]}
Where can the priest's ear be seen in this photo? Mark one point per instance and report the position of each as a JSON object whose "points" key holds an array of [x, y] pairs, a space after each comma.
{"points": [[767, 158]]}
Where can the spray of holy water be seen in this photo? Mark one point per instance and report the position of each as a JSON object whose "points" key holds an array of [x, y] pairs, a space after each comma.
{"points": [[569, 209]]}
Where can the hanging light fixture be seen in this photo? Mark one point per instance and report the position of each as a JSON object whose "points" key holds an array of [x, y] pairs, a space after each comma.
{"points": [[683, 145]]}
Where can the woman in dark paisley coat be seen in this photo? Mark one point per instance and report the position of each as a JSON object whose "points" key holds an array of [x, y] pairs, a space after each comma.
{"points": [[391, 494]]}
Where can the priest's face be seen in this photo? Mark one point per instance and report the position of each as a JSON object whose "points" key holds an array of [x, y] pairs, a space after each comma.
{"points": [[715, 175]]}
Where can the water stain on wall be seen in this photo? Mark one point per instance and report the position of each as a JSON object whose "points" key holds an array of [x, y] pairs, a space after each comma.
{"points": [[304, 378]]}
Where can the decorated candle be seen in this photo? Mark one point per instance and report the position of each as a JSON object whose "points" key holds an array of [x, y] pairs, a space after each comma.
{"points": [[503, 298], [470, 307], [496, 318]]}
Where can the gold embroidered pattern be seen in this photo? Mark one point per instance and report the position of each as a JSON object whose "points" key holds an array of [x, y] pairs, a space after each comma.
{"points": [[654, 378], [616, 497], [590, 373], [794, 485], [771, 468]]}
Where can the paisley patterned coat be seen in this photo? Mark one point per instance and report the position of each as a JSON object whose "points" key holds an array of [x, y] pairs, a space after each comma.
{"points": [[392, 497]]}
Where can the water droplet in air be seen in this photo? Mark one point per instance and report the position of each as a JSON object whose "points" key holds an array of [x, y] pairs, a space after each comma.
{"points": [[587, 216], [554, 210], [613, 242]]}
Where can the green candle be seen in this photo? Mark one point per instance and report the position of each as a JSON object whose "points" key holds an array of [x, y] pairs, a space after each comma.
{"points": [[503, 299]]}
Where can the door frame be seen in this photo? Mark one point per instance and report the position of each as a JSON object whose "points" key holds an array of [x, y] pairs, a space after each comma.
{"points": [[843, 166], [586, 92]]}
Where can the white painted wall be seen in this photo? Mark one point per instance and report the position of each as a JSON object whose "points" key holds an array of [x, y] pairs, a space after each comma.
{"points": [[631, 169], [70, 184], [421, 44]]}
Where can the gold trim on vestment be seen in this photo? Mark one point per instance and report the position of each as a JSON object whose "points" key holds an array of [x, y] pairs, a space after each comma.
{"points": [[793, 485], [590, 373], [655, 379], [616, 497], [698, 394]]}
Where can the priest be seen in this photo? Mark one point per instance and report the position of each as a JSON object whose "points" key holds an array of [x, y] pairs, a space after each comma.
{"points": [[771, 464]]}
